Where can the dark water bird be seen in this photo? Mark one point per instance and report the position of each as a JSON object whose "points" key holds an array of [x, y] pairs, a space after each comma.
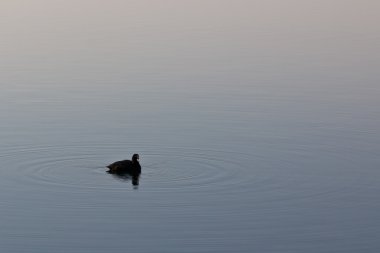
{"points": [[127, 170], [126, 166]]}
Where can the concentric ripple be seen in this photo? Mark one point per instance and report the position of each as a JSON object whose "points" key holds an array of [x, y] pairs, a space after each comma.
{"points": [[170, 169]]}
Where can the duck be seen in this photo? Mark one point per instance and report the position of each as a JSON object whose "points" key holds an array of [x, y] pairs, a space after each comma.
{"points": [[126, 166]]}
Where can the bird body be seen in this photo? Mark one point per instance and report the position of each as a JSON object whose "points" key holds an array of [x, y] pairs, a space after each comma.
{"points": [[126, 166]]}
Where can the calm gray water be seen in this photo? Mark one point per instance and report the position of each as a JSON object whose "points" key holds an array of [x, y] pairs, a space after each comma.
{"points": [[257, 125]]}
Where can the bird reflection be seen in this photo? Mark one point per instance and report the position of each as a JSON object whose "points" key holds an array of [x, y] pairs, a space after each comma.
{"points": [[127, 176]]}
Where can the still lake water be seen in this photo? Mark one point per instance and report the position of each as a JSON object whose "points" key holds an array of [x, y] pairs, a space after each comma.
{"points": [[257, 125]]}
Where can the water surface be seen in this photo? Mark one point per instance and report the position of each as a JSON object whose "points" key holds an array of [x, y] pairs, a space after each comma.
{"points": [[257, 125]]}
